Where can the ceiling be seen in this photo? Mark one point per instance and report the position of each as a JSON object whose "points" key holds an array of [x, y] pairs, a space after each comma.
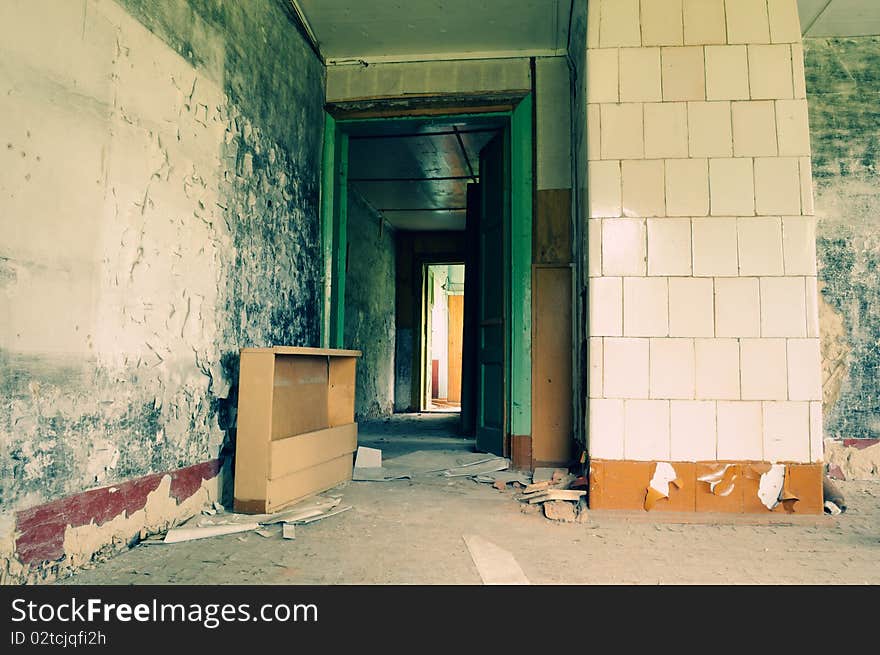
{"points": [[840, 17], [415, 172]]}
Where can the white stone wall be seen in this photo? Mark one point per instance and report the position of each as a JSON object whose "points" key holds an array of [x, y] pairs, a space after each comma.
{"points": [[701, 241]]}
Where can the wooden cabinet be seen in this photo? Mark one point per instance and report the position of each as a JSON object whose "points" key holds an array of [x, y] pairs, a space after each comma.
{"points": [[296, 431]]}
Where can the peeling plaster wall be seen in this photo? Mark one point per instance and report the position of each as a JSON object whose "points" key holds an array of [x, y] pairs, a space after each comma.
{"points": [[159, 182], [369, 308], [843, 88]]}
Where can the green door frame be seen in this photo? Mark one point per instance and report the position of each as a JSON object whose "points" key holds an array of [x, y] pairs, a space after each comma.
{"points": [[334, 183]]}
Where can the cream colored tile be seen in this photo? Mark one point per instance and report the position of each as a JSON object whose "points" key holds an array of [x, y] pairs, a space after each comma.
{"points": [[783, 307], [619, 24], [645, 307], [593, 19], [709, 129], [646, 430], [666, 130], [737, 307], [625, 368], [622, 131], [760, 246], [777, 186], [693, 433], [594, 133], [763, 372], [797, 71], [594, 247], [704, 22], [799, 245], [793, 128], [770, 75], [662, 22], [715, 247], [669, 246], [605, 440], [740, 431], [596, 359], [643, 188], [727, 72], [817, 436], [785, 24], [606, 307], [732, 187], [602, 76], [812, 301], [640, 75], [687, 187], [624, 244], [804, 369], [717, 376], [786, 431], [747, 21], [684, 73], [805, 169], [604, 189], [672, 368], [691, 307], [754, 129]]}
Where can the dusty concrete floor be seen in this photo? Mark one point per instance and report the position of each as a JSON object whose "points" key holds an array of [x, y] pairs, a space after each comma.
{"points": [[410, 532]]}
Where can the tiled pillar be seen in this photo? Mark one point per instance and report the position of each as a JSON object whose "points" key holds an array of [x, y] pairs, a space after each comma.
{"points": [[702, 292]]}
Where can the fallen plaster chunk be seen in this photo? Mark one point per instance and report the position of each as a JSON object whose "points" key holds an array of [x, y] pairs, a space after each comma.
{"points": [[368, 458], [495, 565], [770, 487], [177, 535], [318, 517], [472, 470], [553, 494], [832, 509], [264, 533], [288, 530]]}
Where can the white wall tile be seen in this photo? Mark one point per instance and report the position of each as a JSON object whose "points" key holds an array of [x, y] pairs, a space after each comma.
{"points": [[760, 246], [684, 73], [640, 75], [785, 24], [672, 368], [662, 22], [602, 76], [596, 358], [669, 246], [737, 307], [643, 187], [799, 245], [763, 369], [797, 70], [783, 307], [747, 21], [793, 128], [605, 440], [594, 243], [593, 19], [754, 128], [777, 186], [693, 433], [646, 430], [812, 302], [622, 131], [594, 133], [804, 369], [687, 187], [715, 251], [604, 188], [709, 129], [704, 22], [732, 185], [666, 130], [624, 246], [807, 208], [786, 432], [619, 24], [691, 307], [817, 436], [645, 307], [770, 75], [740, 431], [625, 368], [727, 72], [606, 307], [717, 376]]}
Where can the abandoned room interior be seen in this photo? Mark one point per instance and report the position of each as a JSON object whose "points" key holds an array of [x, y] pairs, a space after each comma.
{"points": [[591, 281]]}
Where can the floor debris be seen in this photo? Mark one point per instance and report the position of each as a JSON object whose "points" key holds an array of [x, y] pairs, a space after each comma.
{"points": [[368, 458], [176, 535], [834, 501], [472, 470], [318, 517], [495, 565], [288, 531], [553, 495]]}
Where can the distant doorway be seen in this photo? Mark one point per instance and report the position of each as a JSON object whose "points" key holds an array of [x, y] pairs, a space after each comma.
{"points": [[443, 333]]}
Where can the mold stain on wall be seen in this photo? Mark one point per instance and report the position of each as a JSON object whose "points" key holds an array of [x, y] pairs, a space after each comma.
{"points": [[159, 188], [843, 88]]}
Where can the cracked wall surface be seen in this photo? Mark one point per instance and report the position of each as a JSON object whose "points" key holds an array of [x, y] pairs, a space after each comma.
{"points": [[843, 88], [159, 184]]}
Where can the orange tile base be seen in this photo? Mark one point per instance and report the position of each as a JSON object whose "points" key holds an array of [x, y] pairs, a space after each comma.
{"points": [[623, 484]]}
